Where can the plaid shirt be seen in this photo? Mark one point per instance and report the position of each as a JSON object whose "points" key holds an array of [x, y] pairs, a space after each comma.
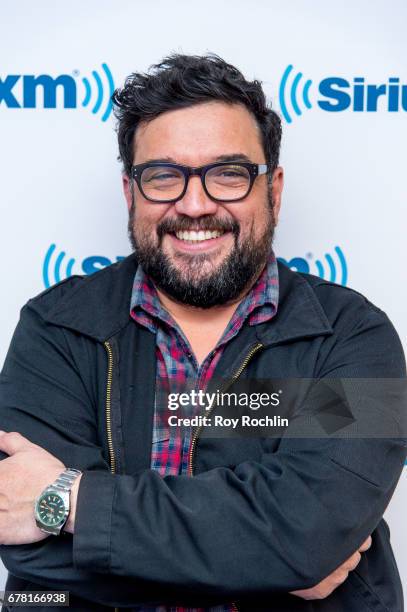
{"points": [[177, 369]]}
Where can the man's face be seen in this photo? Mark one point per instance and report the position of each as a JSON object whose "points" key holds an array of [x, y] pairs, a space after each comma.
{"points": [[216, 270]]}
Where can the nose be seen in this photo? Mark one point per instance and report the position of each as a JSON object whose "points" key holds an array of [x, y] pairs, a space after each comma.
{"points": [[195, 202]]}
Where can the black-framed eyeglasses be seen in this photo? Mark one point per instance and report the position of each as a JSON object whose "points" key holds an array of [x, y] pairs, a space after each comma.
{"points": [[222, 181]]}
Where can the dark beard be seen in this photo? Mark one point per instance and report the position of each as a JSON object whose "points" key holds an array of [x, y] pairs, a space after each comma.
{"points": [[224, 284]]}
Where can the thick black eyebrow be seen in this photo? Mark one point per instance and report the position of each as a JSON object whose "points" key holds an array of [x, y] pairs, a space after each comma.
{"points": [[230, 157], [233, 157], [161, 160]]}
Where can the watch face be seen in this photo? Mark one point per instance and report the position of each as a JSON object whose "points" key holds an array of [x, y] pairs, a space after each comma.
{"points": [[51, 509]]}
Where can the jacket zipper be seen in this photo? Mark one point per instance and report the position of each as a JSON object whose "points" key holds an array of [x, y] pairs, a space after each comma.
{"points": [[195, 437], [197, 432], [112, 458]]}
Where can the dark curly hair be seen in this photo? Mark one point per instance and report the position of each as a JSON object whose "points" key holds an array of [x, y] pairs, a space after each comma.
{"points": [[179, 81]]}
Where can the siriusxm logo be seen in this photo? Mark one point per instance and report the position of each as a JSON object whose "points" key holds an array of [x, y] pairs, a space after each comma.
{"points": [[338, 94], [96, 91], [57, 266], [329, 270]]}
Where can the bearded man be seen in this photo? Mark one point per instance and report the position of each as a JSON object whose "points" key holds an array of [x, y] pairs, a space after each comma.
{"points": [[99, 495]]}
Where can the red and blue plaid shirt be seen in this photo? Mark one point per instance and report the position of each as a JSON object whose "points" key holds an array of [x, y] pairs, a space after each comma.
{"points": [[177, 367]]}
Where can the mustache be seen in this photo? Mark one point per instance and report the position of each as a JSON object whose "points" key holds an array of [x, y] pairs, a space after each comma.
{"points": [[204, 223]]}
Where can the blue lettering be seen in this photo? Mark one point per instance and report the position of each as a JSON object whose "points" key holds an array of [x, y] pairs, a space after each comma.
{"points": [[358, 93], [373, 93], [327, 89], [49, 86], [393, 94], [299, 263], [404, 97], [93, 264], [5, 91]]}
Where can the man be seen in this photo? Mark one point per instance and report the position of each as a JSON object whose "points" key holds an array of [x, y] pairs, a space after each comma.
{"points": [[160, 517]]}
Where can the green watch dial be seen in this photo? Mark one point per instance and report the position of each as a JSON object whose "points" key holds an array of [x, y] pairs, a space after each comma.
{"points": [[51, 509]]}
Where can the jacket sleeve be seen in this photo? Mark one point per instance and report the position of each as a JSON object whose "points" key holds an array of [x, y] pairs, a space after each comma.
{"points": [[288, 519], [43, 396], [281, 523]]}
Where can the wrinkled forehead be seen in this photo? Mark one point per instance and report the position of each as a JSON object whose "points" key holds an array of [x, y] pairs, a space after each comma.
{"points": [[199, 134]]}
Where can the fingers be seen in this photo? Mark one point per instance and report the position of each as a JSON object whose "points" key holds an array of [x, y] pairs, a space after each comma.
{"points": [[342, 572], [338, 577], [352, 562], [366, 544], [13, 442]]}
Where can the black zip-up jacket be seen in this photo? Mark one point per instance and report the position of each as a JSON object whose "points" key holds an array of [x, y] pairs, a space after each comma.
{"points": [[260, 516]]}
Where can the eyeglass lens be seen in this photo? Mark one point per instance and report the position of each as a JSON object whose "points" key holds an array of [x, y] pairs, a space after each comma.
{"points": [[226, 182]]}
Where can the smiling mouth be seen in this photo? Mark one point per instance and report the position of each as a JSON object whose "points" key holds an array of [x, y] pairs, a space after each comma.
{"points": [[194, 237]]}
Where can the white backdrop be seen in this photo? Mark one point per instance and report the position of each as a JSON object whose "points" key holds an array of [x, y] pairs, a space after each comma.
{"points": [[344, 207]]}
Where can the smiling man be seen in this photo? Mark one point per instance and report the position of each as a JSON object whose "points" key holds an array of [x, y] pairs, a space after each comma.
{"points": [[100, 496], [205, 250], [203, 224]]}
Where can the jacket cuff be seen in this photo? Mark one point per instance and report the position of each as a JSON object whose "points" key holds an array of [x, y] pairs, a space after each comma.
{"points": [[91, 540]]}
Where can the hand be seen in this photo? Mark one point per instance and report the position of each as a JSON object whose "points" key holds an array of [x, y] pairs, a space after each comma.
{"points": [[331, 582], [27, 471]]}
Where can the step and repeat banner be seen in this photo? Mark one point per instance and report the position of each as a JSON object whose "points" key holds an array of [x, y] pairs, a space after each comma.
{"points": [[335, 72]]}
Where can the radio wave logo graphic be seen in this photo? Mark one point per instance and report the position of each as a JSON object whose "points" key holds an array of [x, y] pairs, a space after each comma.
{"points": [[328, 270], [59, 269], [100, 92], [292, 89]]}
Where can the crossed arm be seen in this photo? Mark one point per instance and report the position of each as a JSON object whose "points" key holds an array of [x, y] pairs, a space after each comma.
{"points": [[29, 469], [280, 508]]}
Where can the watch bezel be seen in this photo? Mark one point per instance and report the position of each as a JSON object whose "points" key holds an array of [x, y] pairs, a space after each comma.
{"points": [[52, 529]]}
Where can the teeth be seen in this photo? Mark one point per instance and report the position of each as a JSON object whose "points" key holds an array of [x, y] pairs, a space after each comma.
{"points": [[193, 236]]}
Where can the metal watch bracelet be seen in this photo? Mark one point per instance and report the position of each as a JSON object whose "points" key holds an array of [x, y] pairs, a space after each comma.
{"points": [[61, 486], [65, 480]]}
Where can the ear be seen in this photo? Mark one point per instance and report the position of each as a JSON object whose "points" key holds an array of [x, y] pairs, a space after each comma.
{"points": [[128, 190], [277, 184]]}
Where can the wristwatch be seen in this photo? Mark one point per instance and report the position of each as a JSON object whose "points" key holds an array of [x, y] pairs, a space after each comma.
{"points": [[52, 507]]}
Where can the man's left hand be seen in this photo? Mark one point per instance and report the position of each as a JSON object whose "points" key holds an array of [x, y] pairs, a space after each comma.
{"points": [[27, 471]]}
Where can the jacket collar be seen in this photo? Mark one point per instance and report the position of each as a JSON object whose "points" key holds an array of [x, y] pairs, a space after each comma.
{"points": [[299, 313], [99, 306]]}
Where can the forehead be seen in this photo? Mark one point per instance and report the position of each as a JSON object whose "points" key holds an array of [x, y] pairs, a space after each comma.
{"points": [[199, 134]]}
